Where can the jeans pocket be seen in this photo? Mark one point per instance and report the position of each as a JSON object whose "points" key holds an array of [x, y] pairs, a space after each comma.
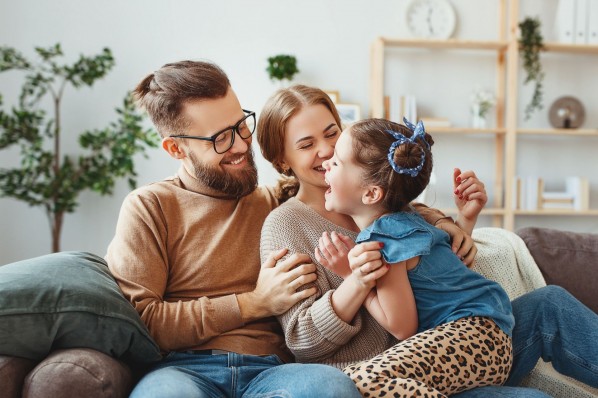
{"points": [[266, 360]]}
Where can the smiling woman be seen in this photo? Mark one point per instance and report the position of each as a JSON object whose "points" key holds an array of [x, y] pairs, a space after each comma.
{"points": [[297, 130]]}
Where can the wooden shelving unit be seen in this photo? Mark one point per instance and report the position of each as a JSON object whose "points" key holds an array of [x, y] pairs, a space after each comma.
{"points": [[506, 132]]}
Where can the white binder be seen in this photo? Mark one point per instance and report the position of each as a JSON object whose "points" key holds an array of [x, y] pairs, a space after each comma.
{"points": [[592, 21], [581, 22], [565, 21]]}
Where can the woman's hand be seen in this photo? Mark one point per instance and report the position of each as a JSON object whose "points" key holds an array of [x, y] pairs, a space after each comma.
{"points": [[470, 197], [461, 243], [332, 251], [367, 264]]}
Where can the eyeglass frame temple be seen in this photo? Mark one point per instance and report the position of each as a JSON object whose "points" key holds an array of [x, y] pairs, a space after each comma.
{"points": [[235, 129]]}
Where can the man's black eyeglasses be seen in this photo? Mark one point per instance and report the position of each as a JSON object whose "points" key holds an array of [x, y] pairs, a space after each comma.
{"points": [[225, 138]]}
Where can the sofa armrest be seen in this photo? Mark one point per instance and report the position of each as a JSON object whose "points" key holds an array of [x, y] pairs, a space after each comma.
{"points": [[79, 372], [13, 371], [566, 259]]}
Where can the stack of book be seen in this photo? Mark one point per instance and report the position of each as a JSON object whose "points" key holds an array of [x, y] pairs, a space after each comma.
{"points": [[398, 107], [529, 194]]}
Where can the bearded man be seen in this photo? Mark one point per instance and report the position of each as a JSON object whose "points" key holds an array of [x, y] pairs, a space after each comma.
{"points": [[186, 253]]}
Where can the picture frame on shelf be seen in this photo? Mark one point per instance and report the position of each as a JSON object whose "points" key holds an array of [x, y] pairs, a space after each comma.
{"points": [[334, 95], [349, 113]]}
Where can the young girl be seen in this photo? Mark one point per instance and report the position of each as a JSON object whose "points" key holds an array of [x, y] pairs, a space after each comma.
{"points": [[464, 321]]}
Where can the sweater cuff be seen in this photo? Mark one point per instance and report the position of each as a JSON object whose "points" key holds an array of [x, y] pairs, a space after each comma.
{"points": [[227, 313], [445, 218], [331, 327]]}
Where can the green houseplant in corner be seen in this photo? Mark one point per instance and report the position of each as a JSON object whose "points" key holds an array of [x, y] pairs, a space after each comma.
{"points": [[531, 43], [282, 67], [44, 176]]}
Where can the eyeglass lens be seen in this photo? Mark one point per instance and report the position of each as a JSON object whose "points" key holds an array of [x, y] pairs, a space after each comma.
{"points": [[224, 141]]}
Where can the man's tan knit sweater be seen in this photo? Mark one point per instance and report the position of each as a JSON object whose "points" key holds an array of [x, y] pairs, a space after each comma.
{"points": [[181, 254]]}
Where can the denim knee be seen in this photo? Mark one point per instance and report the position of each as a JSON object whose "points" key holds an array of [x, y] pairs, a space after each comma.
{"points": [[331, 383], [550, 297]]}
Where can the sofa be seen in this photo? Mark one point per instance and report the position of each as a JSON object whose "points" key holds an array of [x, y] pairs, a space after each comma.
{"points": [[519, 262]]}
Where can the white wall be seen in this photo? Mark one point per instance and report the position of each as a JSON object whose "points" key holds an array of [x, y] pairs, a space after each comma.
{"points": [[331, 40]]}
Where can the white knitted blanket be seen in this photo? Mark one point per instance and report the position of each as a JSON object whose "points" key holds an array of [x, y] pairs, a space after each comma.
{"points": [[504, 258]]}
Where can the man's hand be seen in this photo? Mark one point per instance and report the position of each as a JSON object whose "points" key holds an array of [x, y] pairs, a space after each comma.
{"points": [[461, 243], [278, 286], [332, 253]]}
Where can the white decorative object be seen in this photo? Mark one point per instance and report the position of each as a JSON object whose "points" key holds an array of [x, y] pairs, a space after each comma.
{"points": [[431, 19], [481, 103]]}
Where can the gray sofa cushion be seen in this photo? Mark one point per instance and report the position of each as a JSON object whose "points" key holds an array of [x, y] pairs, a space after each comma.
{"points": [[68, 300], [566, 259]]}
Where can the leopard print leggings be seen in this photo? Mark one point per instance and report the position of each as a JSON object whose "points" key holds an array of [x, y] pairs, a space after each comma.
{"points": [[453, 357]]}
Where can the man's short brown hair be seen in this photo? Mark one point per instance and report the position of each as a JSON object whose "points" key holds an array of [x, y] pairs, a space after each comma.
{"points": [[163, 93]]}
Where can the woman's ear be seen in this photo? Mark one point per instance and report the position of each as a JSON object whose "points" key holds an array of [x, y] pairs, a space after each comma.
{"points": [[372, 194], [173, 149]]}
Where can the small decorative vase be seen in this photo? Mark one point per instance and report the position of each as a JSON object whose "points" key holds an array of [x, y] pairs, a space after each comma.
{"points": [[283, 83], [477, 120]]}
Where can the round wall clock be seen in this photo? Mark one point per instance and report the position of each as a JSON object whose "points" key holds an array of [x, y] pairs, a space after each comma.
{"points": [[431, 19], [566, 113]]}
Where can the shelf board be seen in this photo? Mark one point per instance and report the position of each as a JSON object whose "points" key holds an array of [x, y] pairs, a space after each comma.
{"points": [[557, 212], [464, 130], [450, 43], [485, 212], [584, 132], [571, 48], [484, 45], [543, 212]]}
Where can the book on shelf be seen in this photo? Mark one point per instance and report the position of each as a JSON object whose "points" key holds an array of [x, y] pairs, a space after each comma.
{"points": [[557, 200], [581, 21], [397, 106], [592, 33], [533, 194], [565, 21], [529, 194], [579, 187], [436, 122]]}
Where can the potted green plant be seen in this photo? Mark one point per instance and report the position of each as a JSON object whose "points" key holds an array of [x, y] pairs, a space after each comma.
{"points": [[45, 176], [531, 43], [282, 68]]}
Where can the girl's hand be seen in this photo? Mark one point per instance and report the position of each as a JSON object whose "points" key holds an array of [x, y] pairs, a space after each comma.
{"points": [[367, 264], [332, 251], [470, 198]]}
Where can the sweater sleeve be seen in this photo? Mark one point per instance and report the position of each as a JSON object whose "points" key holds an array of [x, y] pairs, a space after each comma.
{"points": [[139, 261], [432, 216], [313, 331]]}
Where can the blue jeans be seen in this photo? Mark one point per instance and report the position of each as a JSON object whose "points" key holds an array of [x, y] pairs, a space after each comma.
{"points": [[182, 375], [553, 325]]}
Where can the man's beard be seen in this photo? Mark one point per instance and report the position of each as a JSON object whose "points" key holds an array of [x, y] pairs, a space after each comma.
{"points": [[241, 183]]}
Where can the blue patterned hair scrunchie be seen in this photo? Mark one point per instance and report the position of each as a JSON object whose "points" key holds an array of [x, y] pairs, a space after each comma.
{"points": [[418, 132]]}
